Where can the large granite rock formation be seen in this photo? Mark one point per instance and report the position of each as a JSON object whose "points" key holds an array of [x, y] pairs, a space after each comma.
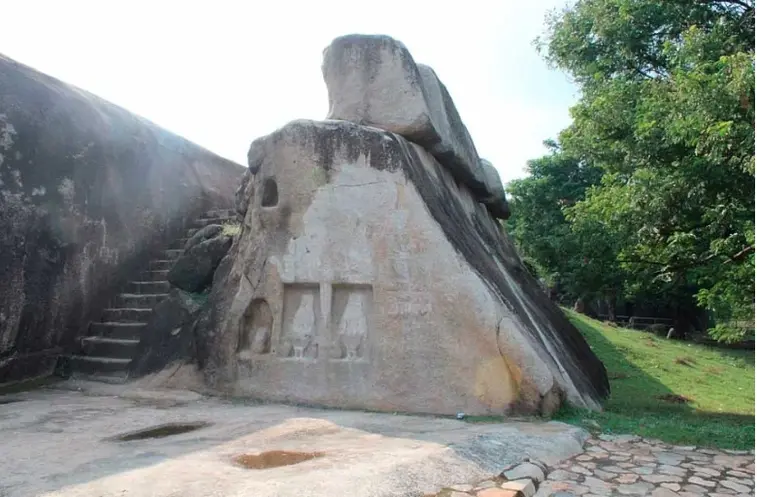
{"points": [[87, 192], [374, 281], [371, 272]]}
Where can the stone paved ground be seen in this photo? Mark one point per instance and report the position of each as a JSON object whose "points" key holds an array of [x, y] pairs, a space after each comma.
{"points": [[626, 466]]}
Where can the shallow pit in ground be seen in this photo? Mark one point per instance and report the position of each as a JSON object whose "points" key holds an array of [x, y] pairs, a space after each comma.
{"points": [[160, 431], [274, 459]]}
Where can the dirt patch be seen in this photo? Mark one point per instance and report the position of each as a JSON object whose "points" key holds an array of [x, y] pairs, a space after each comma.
{"points": [[160, 431], [274, 459], [685, 361], [674, 398], [714, 370]]}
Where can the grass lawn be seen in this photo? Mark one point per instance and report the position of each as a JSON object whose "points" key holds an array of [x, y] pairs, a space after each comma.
{"points": [[672, 390]]}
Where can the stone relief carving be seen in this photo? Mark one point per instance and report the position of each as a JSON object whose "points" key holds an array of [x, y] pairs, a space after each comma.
{"points": [[301, 321], [303, 326], [351, 321], [321, 319]]}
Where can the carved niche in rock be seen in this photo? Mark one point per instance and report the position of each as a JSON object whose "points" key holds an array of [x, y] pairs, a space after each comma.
{"points": [[255, 330]]}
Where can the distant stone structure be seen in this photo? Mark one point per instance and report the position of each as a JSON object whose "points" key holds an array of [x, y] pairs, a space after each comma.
{"points": [[371, 271], [87, 192]]}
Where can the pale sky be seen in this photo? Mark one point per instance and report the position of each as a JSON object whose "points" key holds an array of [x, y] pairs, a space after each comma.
{"points": [[224, 72]]}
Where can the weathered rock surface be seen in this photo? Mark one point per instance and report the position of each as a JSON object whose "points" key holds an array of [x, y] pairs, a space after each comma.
{"points": [[496, 201], [205, 233], [193, 271], [366, 454], [87, 192], [375, 281], [168, 335], [373, 80]]}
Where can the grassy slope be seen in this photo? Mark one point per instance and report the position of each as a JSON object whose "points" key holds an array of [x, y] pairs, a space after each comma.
{"points": [[642, 367]]}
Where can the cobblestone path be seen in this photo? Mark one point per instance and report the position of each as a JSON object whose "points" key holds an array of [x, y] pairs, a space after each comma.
{"points": [[625, 465]]}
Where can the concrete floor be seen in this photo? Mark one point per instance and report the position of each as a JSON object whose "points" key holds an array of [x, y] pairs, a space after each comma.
{"points": [[57, 441]]}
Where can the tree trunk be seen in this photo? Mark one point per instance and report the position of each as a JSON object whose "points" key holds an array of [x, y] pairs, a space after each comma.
{"points": [[611, 301], [681, 323], [579, 305]]}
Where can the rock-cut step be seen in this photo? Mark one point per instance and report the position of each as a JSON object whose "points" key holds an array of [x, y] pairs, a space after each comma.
{"points": [[111, 344], [114, 348], [96, 365], [126, 315], [149, 287], [139, 300], [122, 331], [154, 274], [161, 264]]}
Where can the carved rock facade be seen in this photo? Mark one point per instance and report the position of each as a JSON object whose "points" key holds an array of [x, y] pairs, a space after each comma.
{"points": [[368, 275]]}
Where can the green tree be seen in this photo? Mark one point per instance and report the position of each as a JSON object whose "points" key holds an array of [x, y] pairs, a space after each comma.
{"points": [[667, 115], [580, 263]]}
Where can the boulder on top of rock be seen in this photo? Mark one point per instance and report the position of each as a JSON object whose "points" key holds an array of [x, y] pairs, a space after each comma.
{"points": [[497, 201], [373, 80], [378, 281], [193, 271]]}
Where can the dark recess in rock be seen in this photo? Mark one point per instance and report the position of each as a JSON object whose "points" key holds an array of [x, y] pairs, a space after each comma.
{"points": [[270, 196]]}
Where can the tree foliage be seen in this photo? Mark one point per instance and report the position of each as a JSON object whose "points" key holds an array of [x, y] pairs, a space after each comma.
{"points": [[667, 118]]}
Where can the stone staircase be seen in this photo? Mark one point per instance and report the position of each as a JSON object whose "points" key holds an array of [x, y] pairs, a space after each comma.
{"points": [[111, 342]]}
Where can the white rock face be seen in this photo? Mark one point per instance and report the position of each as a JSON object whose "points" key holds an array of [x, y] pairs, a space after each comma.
{"points": [[374, 81], [390, 287]]}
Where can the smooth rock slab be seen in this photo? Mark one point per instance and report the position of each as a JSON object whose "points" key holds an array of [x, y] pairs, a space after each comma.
{"points": [[525, 487], [627, 478], [366, 453], [643, 470], [695, 489], [497, 492], [736, 487], [526, 470], [700, 481], [606, 476], [639, 488], [580, 470], [662, 478], [560, 475], [461, 487], [672, 470], [738, 474], [663, 492]]}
